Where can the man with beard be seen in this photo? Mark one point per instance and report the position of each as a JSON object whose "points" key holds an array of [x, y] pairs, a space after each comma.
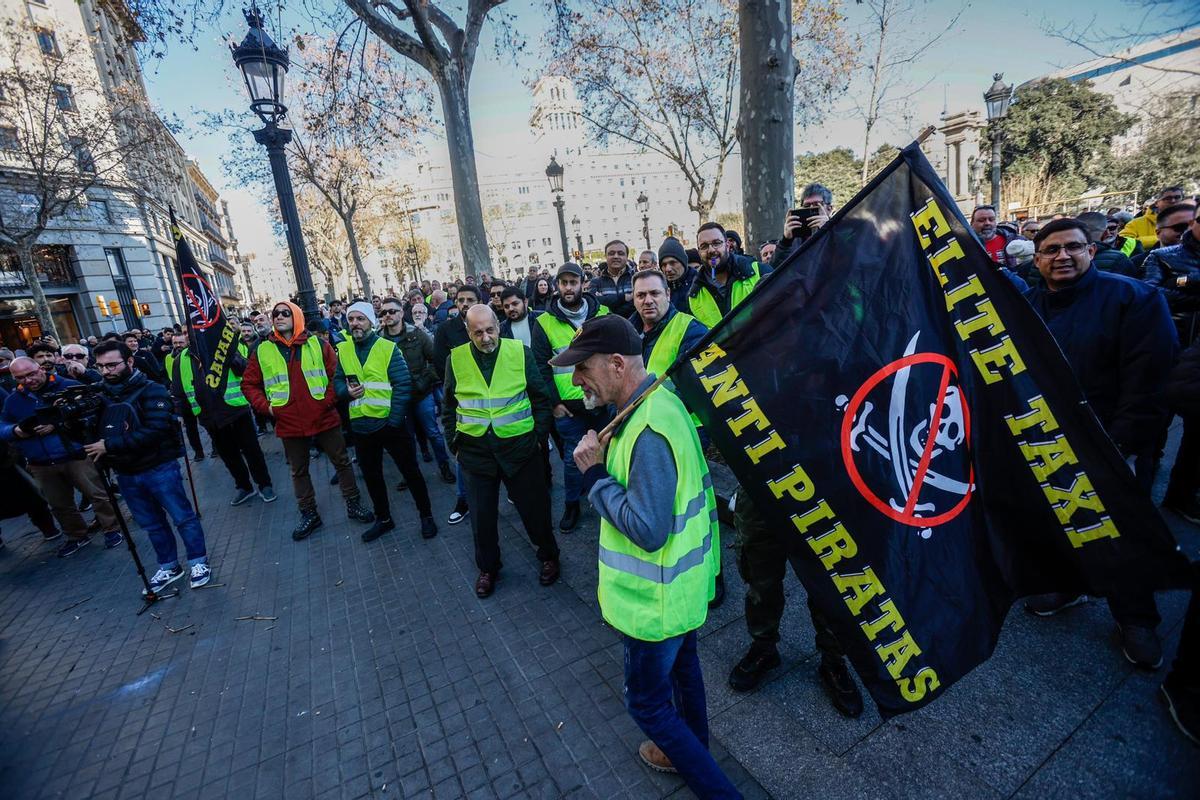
{"points": [[373, 375], [724, 280], [673, 259], [450, 334], [993, 238], [496, 412], [145, 457], [573, 415]]}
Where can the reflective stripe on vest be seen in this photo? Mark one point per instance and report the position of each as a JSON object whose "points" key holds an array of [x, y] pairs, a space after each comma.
{"points": [[233, 385], [560, 334], [376, 401], [654, 596], [504, 404], [275, 371], [704, 306]]}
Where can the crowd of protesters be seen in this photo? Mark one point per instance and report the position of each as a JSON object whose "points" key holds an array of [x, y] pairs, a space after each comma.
{"points": [[462, 375]]}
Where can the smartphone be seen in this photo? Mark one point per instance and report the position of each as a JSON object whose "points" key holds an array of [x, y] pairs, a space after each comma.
{"points": [[353, 380], [804, 215]]}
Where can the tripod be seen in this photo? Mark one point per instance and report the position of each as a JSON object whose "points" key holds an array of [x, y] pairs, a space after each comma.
{"points": [[149, 596]]}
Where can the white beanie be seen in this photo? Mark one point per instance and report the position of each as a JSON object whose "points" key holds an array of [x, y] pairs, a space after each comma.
{"points": [[364, 308], [1019, 249]]}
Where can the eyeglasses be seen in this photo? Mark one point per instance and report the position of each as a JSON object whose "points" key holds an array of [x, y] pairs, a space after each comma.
{"points": [[388, 311], [711, 245], [280, 312], [76, 356], [108, 367], [1178, 227], [1072, 248]]}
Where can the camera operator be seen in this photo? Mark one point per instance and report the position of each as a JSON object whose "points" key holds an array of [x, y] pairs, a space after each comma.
{"points": [[816, 206], [57, 464], [140, 441]]}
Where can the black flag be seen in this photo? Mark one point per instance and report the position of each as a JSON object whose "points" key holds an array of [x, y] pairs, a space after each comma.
{"points": [[212, 338], [897, 410]]}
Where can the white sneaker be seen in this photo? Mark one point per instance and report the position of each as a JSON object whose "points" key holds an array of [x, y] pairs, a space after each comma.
{"points": [[163, 578], [200, 575]]}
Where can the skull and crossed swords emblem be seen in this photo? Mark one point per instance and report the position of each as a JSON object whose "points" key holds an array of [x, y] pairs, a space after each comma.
{"points": [[904, 447]]}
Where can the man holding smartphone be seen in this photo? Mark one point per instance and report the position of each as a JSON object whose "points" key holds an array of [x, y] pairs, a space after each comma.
{"points": [[816, 207]]}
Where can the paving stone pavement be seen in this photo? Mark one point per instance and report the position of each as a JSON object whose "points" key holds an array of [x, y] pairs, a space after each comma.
{"points": [[381, 675]]}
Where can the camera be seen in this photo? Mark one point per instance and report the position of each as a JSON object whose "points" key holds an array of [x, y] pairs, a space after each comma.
{"points": [[76, 411]]}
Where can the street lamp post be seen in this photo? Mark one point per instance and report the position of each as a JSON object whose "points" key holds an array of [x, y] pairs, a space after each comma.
{"points": [[997, 98], [554, 174], [264, 66], [575, 226], [643, 205]]}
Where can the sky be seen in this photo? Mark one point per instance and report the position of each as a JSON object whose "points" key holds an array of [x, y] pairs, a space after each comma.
{"points": [[989, 37]]}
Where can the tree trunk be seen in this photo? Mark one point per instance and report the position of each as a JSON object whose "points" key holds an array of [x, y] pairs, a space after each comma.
{"points": [[765, 116], [348, 221], [41, 306], [463, 173]]}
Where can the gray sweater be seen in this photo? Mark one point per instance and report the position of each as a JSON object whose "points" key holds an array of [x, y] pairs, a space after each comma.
{"points": [[644, 510]]}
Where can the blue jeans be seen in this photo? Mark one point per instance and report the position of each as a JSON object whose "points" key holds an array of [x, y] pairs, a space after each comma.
{"points": [[154, 495], [424, 413], [664, 692], [572, 429], [461, 481]]}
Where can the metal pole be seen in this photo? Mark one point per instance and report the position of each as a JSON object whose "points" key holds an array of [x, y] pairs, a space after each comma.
{"points": [[559, 205], [275, 139], [579, 244], [996, 171], [646, 229]]}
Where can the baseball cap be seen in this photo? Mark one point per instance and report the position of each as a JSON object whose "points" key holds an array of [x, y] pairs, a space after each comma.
{"points": [[569, 269], [610, 333]]}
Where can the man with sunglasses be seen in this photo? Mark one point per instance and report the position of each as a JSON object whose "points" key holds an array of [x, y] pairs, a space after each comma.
{"points": [[495, 294], [1116, 334], [1144, 228], [289, 378]]}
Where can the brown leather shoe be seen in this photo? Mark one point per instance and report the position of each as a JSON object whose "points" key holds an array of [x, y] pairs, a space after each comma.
{"points": [[655, 758], [549, 573], [485, 584]]}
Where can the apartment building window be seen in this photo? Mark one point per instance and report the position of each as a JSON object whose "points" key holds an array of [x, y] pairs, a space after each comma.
{"points": [[9, 139], [101, 212], [84, 160], [48, 42], [64, 97]]}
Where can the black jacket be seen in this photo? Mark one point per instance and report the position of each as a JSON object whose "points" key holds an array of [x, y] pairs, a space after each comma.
{"points": [[506, 325], [611, 291], [489, 454], [1163, 267], [449, 335], [542, 352], [1183, 390], [417, 347], [1116, 334], [681, 287], [1110, 259], [155, 440]]}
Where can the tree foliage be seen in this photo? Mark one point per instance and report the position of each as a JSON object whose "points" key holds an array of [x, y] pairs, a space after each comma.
{"points": [[663, 75], [1168, 154], [1057, 138]]}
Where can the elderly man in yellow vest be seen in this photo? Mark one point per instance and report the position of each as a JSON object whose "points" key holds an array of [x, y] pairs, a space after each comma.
{"points": [[495, 412], [659, 547], [235, 440]]}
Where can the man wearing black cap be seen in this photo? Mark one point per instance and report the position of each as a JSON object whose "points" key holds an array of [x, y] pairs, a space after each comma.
{"points": [[573, 416], [659, 546], [495, 412]]}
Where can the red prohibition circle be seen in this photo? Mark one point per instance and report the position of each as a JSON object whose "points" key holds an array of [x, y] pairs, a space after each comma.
{"points": [[948, 370], [196, 304]]}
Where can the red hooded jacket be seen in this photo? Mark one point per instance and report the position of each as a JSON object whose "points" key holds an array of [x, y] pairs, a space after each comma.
{"points": [[302, 415]]}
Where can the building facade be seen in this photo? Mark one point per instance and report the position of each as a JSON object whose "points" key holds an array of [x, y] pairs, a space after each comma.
{"points": [[601, 187], [109, 263]]}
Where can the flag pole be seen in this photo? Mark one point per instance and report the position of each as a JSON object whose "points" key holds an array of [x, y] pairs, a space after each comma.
{"points": [[187, 322], [629, 409]]}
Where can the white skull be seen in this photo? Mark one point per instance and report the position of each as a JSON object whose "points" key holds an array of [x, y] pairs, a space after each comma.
{"points": [[950, 430]]}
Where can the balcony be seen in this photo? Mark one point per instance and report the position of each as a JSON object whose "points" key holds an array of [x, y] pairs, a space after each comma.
{"points": [[53, 264], [209, 226]]}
